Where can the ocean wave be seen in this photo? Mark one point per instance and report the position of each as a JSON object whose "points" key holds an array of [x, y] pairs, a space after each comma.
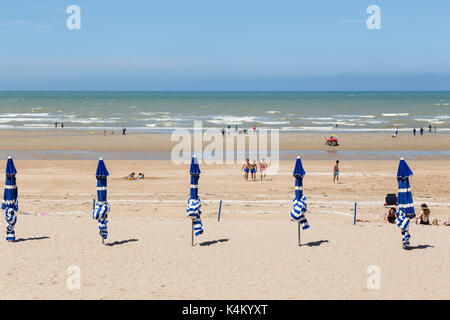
{"points": [[231, 120], [273, 123], [395, 114], [273, 111], [15, 115]]}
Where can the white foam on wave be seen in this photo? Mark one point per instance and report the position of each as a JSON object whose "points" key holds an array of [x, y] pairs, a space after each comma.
{"points": [[15, 115], [273, 111], [273, 123], [231, 120], [395, 114]]}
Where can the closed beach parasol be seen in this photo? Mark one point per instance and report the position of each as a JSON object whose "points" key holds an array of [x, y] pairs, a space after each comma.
{"points": [[9, 202], [101, 208], [299, 202], [194, 204], [405, 202]]}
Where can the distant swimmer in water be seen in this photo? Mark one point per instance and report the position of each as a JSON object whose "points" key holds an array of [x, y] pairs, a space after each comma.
{"points": [[262, 168], [246, 169], [253, 168]]}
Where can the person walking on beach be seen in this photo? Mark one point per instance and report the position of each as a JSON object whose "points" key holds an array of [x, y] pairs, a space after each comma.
{"points": [[414, 131], [336, 172], [62, 124], [421, 131], [56, 124], [253, 168], [124, 131], [262, 168], [246, 168], [396, 131], [429, 128]]}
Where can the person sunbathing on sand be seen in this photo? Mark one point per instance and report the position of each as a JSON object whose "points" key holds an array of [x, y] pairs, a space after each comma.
{"points": [[140, 176], [424, 216], [131, 176], [390, 216], [246, 169]]}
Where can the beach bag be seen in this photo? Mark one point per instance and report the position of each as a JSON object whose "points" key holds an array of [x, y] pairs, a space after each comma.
{"points": [[391, 199]]}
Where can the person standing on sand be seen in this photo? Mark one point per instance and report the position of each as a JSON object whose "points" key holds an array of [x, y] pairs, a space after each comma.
{"points": [[62, 124], [262, 168], [336, 172], [56, 124], [421, 131], [414, 131], [246, 169], [253, 168]]}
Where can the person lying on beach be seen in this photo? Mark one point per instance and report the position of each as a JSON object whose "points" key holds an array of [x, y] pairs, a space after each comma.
{"points": [[262, 168], [390, 216], [246, 168], [424, 216], [131, 176], [253, 168], [140, 176]]}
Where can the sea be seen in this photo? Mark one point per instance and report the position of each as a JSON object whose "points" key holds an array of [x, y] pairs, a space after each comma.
{"points": [[365, 112]]}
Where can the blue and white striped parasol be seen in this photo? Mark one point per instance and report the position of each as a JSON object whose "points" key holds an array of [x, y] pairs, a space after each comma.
{"points": [[299, 202], [101, 208], [405, 201], [194, 204], [9, 202]]}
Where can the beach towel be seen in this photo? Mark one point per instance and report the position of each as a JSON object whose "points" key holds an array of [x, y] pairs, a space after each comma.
{"points": [[298, 212]]}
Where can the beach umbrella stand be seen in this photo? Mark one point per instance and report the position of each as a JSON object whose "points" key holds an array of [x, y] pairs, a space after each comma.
{"points": [[299, 203], [405, 210], [194, 203], [9, 202], [101, 207]]}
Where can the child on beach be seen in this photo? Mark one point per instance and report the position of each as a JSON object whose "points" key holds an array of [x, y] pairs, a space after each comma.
{"points": [[246, 168], [262, 168], [424, 216], [253, 168], [336, 171]]}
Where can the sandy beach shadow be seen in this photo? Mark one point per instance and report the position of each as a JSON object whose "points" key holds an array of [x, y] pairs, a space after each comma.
{"points": [[420, 246], [315, 243], [208, 243], [116, 243], [29, 239]]}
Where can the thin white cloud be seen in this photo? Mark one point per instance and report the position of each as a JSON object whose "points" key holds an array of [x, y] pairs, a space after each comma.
{"points": [[25, 24]]}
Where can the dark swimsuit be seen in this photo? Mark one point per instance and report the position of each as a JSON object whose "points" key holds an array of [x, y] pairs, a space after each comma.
{"points": [[423, 222]]}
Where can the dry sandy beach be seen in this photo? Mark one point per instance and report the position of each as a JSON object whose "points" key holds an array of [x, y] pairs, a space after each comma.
{"points": [[252, 253]]}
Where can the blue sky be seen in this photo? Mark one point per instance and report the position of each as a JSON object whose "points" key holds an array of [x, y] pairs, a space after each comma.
{"points": [[224, 45]]}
